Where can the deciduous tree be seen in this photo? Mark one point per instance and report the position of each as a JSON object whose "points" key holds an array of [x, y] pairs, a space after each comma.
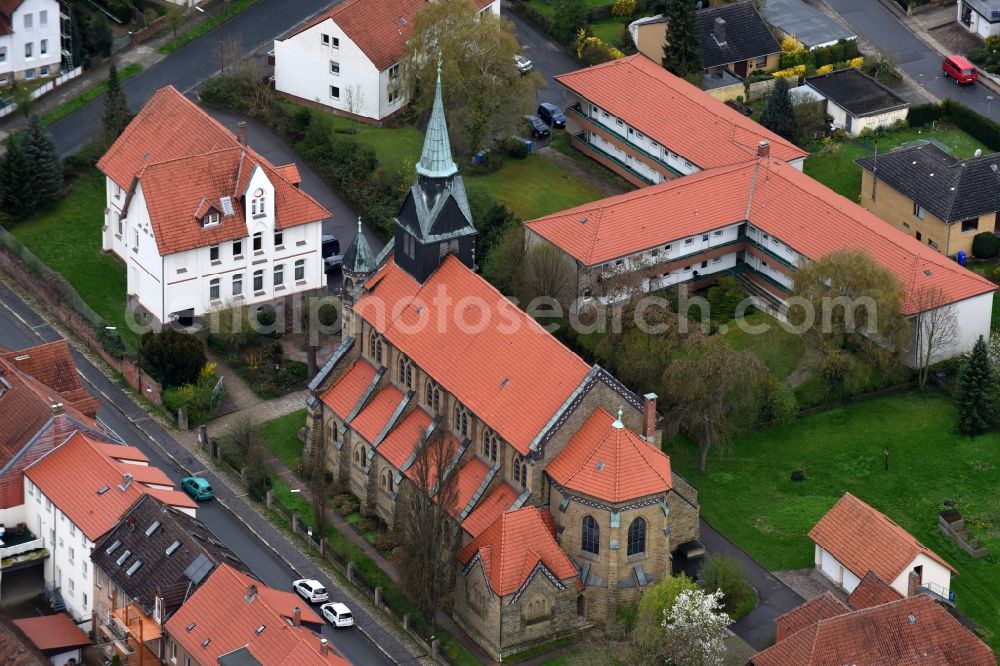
{"points": [[693, 628], [174, 358], [779, 114], [116, 112], [547, 272], [975, 392], [484, 94], [682, 48], [712, 392], [935, 329], [46, 167]]}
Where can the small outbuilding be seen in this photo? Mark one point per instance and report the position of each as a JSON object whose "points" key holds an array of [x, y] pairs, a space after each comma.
{"points": [[57, 636], [856, 101]]}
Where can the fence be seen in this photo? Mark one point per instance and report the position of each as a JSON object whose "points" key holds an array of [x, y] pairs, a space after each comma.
{"points": [[757, 90], [65, 303], [41, 90]]}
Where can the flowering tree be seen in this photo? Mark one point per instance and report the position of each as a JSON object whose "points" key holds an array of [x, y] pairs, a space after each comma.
{"points": [[693, 629]]}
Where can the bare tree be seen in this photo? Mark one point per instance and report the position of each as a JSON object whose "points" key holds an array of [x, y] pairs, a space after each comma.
{"points": [[426, 529], [175, 19], [548, 272], [354, 99], [320, 481], [935, 329], [230, 53]]}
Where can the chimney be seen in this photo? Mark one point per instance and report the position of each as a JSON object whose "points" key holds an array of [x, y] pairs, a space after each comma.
{"points": [[720, 30], [296, 617], [126, 481], [241, 132], [763, 149], [252, 592], [913, 584], [56, 408], [322, 646], [649, 415]]}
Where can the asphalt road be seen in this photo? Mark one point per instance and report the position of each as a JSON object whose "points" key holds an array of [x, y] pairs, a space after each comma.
{"points": [[876, 23], [353, 644], [186, 67], [547, 57]]}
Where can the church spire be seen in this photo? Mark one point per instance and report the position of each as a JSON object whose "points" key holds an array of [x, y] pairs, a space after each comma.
{"points": [[359, 258], [435, 158]]}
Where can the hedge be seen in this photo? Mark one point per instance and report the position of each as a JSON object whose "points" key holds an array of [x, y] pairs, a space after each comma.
{"points": [[975, 125]]}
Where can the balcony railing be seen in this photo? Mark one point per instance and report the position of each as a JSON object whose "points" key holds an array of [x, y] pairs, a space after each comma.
{"points": [[650, 263], [21, 548], [586, 145], [938, 592], [656, 158]]}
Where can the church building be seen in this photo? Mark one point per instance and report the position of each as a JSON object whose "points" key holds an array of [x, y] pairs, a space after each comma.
{"points": [[566, 507]]}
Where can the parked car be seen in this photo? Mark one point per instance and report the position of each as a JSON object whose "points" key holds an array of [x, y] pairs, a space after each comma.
{"points": [[311, 590], [960, 69], [552, 115], [536, 127], [331, 245], [337, 614], [197, 487], [523, 64]]}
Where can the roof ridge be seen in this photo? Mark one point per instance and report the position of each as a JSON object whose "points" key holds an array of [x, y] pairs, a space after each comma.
{"points": [[181, 158]]}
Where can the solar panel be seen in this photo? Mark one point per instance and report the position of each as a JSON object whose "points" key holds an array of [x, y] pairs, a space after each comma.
{"points": [[198, 569]]}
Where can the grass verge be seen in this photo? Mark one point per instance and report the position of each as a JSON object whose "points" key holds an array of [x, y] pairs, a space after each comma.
{"points": [[281, 437], [70, 106], [205, 27], [780, 350]]}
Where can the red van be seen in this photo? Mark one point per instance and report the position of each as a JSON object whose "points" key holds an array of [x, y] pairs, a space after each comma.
{"points": [[960, 69]]}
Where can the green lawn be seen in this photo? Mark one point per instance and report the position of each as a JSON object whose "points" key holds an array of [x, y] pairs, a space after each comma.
{"points": [[68, 239], [780, 350], [749, 497], [281, 437], [396, 148], [608, 31], [986, 269], [834, 165]]}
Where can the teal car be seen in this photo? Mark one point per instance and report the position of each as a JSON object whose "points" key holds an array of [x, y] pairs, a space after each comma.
{"points": [[197, 487]]}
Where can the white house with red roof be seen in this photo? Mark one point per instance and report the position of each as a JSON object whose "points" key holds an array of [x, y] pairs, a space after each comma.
{"points": [[30, 39], [77, 492], [853, 539], [349, 58], [201, 220]]}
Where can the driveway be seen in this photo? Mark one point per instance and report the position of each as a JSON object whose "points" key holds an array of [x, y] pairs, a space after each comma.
{"points": [[548, 58], [876, 23]]}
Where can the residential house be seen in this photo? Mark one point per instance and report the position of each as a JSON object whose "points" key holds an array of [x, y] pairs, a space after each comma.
{"points": [[30, 39], [524, 423], [57, 636], [73, 496], [856, 101], [42, 402], [350, 58], [981, 17], [933, 196], [734, 38], [147, 565], [17, 649], [759, 221], [825, 631], [201, 220], [811, 27], [853, 539], [234, 619], [664, 128]]}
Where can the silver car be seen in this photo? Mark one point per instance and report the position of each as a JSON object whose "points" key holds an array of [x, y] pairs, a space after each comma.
{"points": [[523, 64]]}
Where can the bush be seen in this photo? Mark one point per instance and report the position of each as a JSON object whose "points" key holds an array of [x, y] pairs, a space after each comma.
{"points": [[623, 8], [173, 358], [724, 573], [798, 475], [225, 91], [511, 147], [112, 342], [995, 275], [725, 297], [780, 404], [985, 245]]}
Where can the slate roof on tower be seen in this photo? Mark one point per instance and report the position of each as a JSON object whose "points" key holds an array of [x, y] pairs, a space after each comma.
{"points": [[359, 257], [674, 113], [606, 460], [490, 365]]}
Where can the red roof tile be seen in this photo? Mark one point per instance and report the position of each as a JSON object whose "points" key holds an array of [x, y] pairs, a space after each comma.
{"points": [[121, 452], [863, 539], [447, 447], [470, 477], [146, 474], [222, 620], [916, 630], [50, 363], [490, 508], [802, 213], [610, 463], [823, 607], [289, 172], [17, 649], [71, 475], [513, 545], [51, 632], [674, 113], [380, 28], [402, 441], [344, 395], [872, 591], [490, 367], [373, 418]]}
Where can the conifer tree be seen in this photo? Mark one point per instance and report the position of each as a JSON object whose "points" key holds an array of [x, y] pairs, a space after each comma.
{"points": [[682, 49], [20, 198], [976, 387], [116, 111], [46, 168], [779, 114]]}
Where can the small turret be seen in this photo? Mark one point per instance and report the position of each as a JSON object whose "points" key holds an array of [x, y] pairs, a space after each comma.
{"points": [[358, 265]]}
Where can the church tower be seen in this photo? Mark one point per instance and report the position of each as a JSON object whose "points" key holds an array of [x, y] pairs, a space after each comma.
{"points": [[435, 219], [358, 265]]}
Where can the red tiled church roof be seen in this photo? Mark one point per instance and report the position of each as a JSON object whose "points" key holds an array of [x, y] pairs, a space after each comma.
{"points": [[371, 420], [773, 196], [344, 394], [489, 508], [400, 444], [490, 367], [675, 113], [513, 546], [863, 539], [608, 461], [915, 630]]}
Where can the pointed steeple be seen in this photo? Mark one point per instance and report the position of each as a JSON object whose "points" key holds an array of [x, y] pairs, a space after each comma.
{"points": [[435, 158], [359, 258]]}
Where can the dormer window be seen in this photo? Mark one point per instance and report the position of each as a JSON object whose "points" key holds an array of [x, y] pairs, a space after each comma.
{"points": [[257, 203], [211, 219]]}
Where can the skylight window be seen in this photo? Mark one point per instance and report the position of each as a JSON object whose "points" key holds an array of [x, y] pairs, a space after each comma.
{"points": [[172, 547], [260, 629], [152, 528], [124, 556], [135, 567], [113, 547], [102, 490], [205, 642], [227, 205], [189, 627]]}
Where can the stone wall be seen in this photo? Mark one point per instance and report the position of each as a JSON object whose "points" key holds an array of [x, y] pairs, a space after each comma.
{"points": [[682, 500]]}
